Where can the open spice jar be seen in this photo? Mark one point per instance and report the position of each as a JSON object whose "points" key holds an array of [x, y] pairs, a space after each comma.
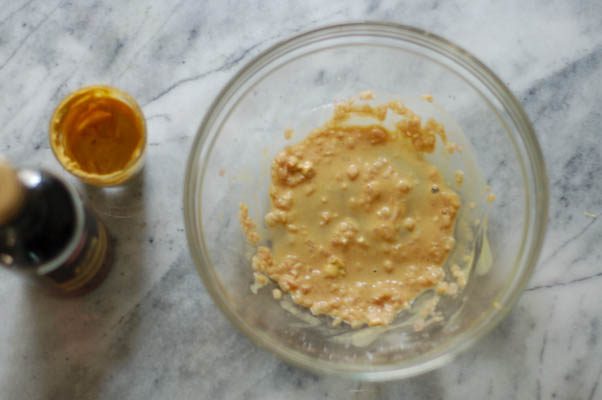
{"points": [[98, 134]]}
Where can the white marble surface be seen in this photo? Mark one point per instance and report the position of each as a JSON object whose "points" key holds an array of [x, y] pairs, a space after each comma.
{"points": [[151, 331]]}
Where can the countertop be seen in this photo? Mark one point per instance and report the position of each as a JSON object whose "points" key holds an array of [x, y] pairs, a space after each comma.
{"points": [[151, 331]]}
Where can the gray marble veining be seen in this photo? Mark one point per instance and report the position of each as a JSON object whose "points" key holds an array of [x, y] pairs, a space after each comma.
{"points": [[151, 331]]}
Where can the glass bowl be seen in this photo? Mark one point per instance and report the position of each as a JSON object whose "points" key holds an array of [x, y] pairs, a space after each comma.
{"points": [[293, 85]]}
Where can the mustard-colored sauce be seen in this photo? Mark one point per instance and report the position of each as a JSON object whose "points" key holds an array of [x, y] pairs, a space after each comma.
{"points": [[98, 131]]}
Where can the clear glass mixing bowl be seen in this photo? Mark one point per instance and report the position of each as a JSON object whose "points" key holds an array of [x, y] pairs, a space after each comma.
{"points": [[293, 85]]}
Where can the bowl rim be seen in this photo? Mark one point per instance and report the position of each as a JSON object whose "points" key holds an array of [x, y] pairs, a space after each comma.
{"points": [[536, 233]]}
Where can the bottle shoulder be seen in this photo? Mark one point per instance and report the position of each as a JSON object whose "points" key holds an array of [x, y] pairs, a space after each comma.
{"points": [[46, 224]]}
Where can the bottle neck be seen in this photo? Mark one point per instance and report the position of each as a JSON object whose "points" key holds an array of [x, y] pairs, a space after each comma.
{"points": [[47, 228]]}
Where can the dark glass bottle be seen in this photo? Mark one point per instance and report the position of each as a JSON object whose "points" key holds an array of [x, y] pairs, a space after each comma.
{"points": [[47, 233]]}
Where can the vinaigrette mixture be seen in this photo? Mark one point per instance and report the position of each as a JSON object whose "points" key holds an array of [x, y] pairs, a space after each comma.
{"points": [[360, 223]]}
